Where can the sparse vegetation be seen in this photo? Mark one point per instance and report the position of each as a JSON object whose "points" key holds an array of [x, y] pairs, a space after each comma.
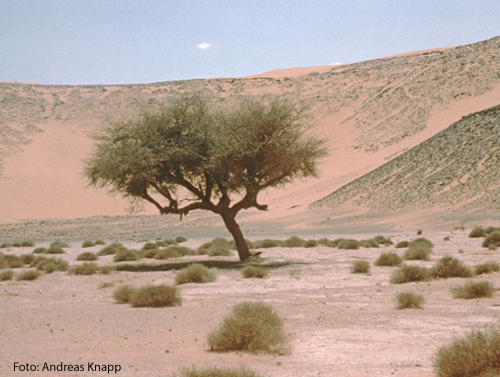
{"points": [[409, 300], [87, 243], [493, 239], [114, 248], [195, 273], [419, 252], [388, 259], [12, 261], [40, 250], [421, 242], [86, 268], [218, 249], [294, 241], [448, 267], [28, 275], [123, 294], [49, 265], [369, 243], [164, 253], [27, 243], [267, 243], [27, 258], [383, 240], [54, 250], [86, 256], [126, 256], [99, 242], [155, 296], [251, 327], [419, 232], [106, 270], [349, 244], [402, 244], [105, 285], [486, 268], [473, 289], [59, 244], [180, 239], [218, 372], [360, 267], [407, 274], [6, 275], [153, 246], [477, 232], [311, 243], [476, 354], [253, 272]]}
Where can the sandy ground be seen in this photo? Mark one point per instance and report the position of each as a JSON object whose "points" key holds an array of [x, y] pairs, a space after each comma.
{"points": [[339, 323]]}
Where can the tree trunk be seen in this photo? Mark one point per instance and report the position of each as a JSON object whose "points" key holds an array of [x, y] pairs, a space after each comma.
{"points": [[235, 231]]}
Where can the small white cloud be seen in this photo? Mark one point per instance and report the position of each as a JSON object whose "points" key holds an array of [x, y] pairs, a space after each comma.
{"points": [[335, 63], [204, 46]]}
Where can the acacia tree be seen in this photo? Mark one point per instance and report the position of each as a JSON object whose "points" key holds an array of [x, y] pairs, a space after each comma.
{"points": [[192, 154]]}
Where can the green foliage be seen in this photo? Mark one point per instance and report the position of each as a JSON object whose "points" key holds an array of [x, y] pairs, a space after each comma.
{"points": [[87, 243], [86, 268], [218, 372], [477, 232], [253, 272], [251, 327], [407, 274], [493, 239], [126, 256], [486, 268], [360, 267], [28, 275], [473, 289], [475, 354], [409, 300], [155, 296], [6, 275], [111, 249], [195, 273], [87, 256], [448, 267], [388, 259]]}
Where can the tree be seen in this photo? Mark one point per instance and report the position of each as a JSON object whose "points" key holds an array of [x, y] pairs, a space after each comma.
{"points": [[194, 154]]}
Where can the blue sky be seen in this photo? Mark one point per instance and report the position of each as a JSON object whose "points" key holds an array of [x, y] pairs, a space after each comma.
{"points": [[144, 41]]}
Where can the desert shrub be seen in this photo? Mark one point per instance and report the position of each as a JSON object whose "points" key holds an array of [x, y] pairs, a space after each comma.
{"points": [[49, 265], [114, 248], [13, 261], [27, 243], [311, 243], [349, 244], [37, 259], [99, 242], [170, 241], [419, 232], [28, 275], [180, 239], [420, 252], [294, 241], [6, 275], [86, 268], [182, 250], [251, 327], [402, 244], [88, 256], [3, 264], [126, 256], [406, 274], [491, 229], [54, 250], [492, 247], [217, 249], [447, 238], [166, 254], [335, 242], [161, 243], [388, 259], [87, 243], [16, 244], [383, 240], [105, 285], [267, 243], [106, 270], [492, 239], [486, 268], [449, 267], [40, 250], [369, 243], [152, 246], [473, 289], [360, 267], [421, 242], [218, 372], [253, 272], [323, 241], [219, 246], [195, 273], [155, 296], [123, 294], [59, 244], [477, 232], [409, 300], [27, 258], [5, 245], [476, 354], [232, 244]]}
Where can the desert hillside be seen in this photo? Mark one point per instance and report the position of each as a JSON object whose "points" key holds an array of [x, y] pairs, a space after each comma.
{"points": [[370, 112]]}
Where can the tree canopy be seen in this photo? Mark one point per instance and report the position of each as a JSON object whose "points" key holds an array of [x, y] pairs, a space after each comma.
{"points": [[195, 154]]}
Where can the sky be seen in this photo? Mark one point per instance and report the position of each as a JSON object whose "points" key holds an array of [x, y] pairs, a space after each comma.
{"points": [[76, 42]]}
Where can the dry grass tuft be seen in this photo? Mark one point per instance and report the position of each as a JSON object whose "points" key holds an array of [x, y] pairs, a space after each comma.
{"points": [[407, 274], [486, 268], [493, 239], [254, 272], [40, 250], [28, 275], [294, 241], [12, 261], [60, 244], [49, 265], [100, 242], [217, 372], [164, 253], [195, 273], [88, 243], [86, 268], [360, 267], [311, 243], [418, 252], [126, 256], [6, 275], [473, 289], [180, 239], [87, 256], [388, 259], [54, 250], [27, 243], [267, 243], [155, 296], [402, 244], [421, 242], [477, 232], [369, 243], [349, 244], [114, 248], [123, 294], [409, 300], [154, 246], [476, 354], [449, 267], [251, 327], [383, 240]]}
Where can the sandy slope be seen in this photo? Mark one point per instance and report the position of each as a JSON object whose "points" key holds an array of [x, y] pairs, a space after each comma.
{"points": [[339, 324]]}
